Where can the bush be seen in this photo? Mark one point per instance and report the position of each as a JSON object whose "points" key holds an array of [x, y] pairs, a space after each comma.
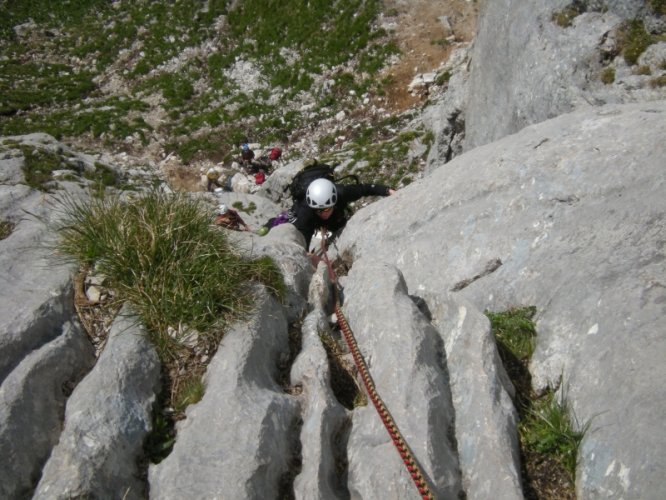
{"points": [[547, 429], [160, 252], [658, 6], [608, 76], [658, 82], [634, 39], [6, 228], [564, 18]]}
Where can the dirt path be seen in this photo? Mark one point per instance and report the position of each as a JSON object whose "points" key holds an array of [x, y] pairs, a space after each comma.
{"points": [[426, 31]]}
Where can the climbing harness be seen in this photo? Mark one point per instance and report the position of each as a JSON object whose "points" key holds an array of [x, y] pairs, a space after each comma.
{"points": [[396, 436]]}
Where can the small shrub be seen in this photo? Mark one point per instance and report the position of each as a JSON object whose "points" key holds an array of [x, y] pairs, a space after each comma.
{"points": [[547, 429], [6, 228], [608, 76], [514, 330], [643, 70], [564, 18], [443, 78], [658, 82], [634, 39], [658, 6]]}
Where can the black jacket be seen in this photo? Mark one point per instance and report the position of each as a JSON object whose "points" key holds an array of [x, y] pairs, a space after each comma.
{"points": [[307, 221]]}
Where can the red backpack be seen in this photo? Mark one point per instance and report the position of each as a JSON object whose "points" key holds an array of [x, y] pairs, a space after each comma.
{"points": [[259, 177], [275, 154]]}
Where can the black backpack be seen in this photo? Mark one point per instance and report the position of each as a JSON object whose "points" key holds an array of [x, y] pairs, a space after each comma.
{"points": [[299, 184]]}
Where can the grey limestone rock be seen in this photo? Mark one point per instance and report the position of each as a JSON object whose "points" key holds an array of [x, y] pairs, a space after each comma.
{"points": [[32, 407], [574, 210], [108, 416], [240, 440], [486, 418], [406, 359], [325, 422], [526, 69]]}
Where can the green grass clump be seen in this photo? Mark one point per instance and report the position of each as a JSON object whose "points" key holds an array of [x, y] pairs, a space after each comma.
{"points": [[26, 85], [117, 118], [188, 391], [103, 176], [634, 39], [514, 330], [443, 78], [38, 167], [658, 82], [658, 6], [608, 76], [40, 164], [44, 11], [240, 206], [6, 228], [564, 18], [161, 254], [546, 433], [547, 429], [642, 70]]}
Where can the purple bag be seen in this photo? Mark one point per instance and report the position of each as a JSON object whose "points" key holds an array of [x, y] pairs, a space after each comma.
{"points": [[280, 219]]}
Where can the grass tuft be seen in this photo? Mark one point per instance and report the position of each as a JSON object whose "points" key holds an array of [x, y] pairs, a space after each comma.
{"points": [[6, 228], [549, 441], [188, 391], [547, 429], [514, 330], [658, 82], [608, 76], [160, 252], [658, 6], [633, 39], [564, 18]]}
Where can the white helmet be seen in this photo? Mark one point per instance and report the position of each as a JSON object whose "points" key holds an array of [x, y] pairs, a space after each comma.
{"points": [[321, 193], [222, 209]]}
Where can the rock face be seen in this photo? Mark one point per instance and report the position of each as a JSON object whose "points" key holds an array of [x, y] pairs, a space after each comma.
{"points": [[574, 210], [525, 68], [241, 439], [406, 357], [32, 406], [108, 416], [566, 214]]}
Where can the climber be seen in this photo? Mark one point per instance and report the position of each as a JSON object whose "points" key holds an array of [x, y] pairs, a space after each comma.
{"points": [[325, 205], [215, 178], [247, 156], [230, 219]]}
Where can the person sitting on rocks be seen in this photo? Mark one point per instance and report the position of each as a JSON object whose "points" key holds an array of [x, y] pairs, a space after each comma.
{"points": [[213, 179], [230, 219], [247, 158]]}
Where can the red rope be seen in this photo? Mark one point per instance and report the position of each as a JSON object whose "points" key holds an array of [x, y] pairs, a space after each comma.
{"points": [[399, 442], [386, 418]]}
